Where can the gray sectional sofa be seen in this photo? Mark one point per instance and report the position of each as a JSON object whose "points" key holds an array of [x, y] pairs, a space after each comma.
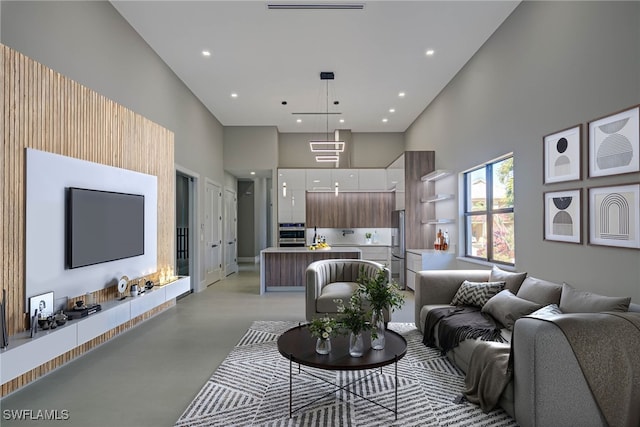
{"points": [[548, 387]]}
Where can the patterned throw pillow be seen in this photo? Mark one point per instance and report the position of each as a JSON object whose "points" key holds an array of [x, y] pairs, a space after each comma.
{"points": [[546, 311], [476, 293]]}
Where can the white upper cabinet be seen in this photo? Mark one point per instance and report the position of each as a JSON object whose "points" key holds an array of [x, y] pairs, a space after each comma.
{"points": [[294, 178], [319, 180], [372, 179], [348, 179]]}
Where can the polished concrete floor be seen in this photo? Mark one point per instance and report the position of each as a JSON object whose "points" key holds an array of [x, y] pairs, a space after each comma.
{"points": [[148, 376]]}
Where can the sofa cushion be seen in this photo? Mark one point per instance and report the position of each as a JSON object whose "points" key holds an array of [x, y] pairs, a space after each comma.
{"points": [[540, 291], [335, 290], [476, 293], [546, 311], [506, 308], [575, 301], [512, 279]]}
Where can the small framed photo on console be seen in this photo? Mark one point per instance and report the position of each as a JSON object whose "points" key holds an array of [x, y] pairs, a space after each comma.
{"points": [[42, 304]]}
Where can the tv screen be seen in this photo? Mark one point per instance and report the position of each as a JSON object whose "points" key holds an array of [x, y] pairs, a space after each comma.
{"points": [[103, 226]]}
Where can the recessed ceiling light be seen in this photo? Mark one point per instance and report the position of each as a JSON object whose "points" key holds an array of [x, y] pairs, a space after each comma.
{"points": [[341, 120], [401, 94], [385, 120], [430, 52], [299, 121], [252, 173], [234, 95], [206, 53], [392, 110]]}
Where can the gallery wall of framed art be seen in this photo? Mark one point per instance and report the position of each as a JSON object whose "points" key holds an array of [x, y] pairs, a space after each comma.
{"points": [[613, 211]]}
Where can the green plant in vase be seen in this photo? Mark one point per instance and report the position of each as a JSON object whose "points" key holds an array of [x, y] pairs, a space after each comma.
{"points": [[353, 320], [382, 295]]}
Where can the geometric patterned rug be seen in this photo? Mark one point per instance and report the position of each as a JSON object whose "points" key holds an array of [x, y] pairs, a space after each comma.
{"points": [[251, 388]]}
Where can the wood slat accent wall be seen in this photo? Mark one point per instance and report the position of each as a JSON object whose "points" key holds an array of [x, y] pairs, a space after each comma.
{"points": [[44, 110]]}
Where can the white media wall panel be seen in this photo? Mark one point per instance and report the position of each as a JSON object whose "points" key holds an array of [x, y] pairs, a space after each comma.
{"points": [[48, 175]]}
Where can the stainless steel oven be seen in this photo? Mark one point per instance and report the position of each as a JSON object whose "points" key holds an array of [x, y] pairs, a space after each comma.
{"points": [[291, 234]]}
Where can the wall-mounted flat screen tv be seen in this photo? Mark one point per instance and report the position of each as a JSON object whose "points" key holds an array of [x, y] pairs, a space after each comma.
{"points": [[103, 226]]}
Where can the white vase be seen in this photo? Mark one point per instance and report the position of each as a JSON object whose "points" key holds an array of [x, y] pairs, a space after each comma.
{"points": [[377, 325], [323, 346], [356, 344]]}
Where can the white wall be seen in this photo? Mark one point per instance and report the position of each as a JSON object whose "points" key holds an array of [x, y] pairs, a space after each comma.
{"points": [[89, 42], [45, 224], [550, 66]]}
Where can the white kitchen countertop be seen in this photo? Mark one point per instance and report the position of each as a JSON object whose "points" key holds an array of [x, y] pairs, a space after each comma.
{"points": [[306, 249]]}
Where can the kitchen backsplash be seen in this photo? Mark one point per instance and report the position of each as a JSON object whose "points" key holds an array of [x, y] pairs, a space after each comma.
{"points": [[352, 236]]}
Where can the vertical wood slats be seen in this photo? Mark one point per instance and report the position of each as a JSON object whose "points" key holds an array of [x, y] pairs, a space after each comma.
{"points": [[44, 110]]}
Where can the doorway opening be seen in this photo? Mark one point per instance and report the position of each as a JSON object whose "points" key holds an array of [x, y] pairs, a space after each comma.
{"points": [[186, 233]]}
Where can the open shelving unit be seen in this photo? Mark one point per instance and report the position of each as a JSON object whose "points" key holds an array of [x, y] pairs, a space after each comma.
{"points": [[432, 196]]}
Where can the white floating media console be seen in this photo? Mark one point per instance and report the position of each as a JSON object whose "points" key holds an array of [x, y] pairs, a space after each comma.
{"points": [[25, 353]]}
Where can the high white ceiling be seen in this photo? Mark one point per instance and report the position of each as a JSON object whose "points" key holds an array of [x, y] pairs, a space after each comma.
{"points": [[268, 56]]}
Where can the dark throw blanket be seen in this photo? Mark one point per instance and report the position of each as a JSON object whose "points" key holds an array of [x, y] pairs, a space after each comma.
{"points": [[456, 324]]}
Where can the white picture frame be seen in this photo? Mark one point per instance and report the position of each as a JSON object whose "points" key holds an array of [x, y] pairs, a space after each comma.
{"points": [[562, 155], [563, 216], [43, 304], [614, 143], [614, 216]]}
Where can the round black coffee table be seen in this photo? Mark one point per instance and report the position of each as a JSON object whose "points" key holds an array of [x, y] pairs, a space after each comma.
{"points": [[299, 347]]}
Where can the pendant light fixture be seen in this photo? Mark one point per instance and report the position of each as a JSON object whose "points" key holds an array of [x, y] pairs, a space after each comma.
{"points": [[329, 150]]}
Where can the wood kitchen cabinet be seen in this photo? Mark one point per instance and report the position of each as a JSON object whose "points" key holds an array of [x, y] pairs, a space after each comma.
{"points": [[349, 210]]}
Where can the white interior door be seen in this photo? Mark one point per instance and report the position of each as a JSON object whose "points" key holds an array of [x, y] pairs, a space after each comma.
{"points": [[230, 231], [213, 232]]}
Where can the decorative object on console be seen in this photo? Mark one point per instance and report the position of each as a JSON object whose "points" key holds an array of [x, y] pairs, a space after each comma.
{"points": [[80, 310], [122, 286], [614, 143], [562, 155], [42, 304], [3, 320], [34, 323], [614, 216], [562, 217]]}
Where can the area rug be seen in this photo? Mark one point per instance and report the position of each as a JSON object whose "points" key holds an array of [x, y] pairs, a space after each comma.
{"points": [[251, 388]]}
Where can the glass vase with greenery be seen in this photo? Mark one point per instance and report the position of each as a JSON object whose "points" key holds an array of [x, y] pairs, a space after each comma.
{"points": [[354, 320], [323, 328], [382, 295]]}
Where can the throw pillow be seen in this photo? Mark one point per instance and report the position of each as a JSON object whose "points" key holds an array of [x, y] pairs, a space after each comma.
{"points": [[512, 279], [546, 311], [476, 293], [506, 308], [540, 291], [575, 301]]}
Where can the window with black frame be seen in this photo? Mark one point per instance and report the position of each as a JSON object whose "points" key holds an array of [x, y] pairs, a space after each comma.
{"points": [[488, 210]]}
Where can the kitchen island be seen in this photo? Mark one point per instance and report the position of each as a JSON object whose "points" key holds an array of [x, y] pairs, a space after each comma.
{"points": [[283, 269]]}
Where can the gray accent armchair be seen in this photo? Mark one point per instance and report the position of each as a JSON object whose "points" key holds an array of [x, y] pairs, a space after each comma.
{"points": [[330, 279]]}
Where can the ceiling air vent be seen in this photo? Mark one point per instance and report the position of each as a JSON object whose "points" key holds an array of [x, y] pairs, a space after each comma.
{"points": [[315, 6]]}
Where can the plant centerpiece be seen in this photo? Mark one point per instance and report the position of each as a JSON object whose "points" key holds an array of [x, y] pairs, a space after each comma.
{"points": [[353, 320], [323, 328], [367, 237], [381, 295]]}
